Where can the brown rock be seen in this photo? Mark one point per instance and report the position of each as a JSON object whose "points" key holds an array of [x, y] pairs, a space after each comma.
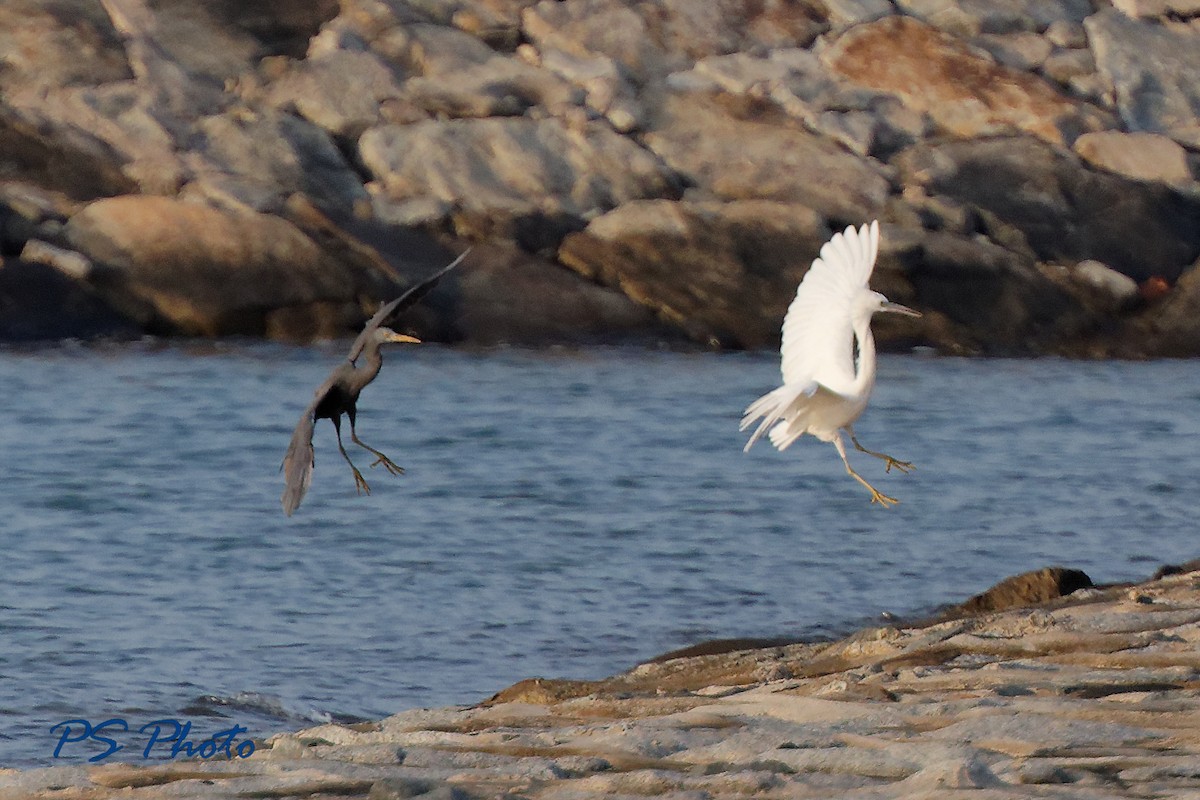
{"points": [[510, 297], [1027, 589], [966, 95], [186, 267], [742, 261]]}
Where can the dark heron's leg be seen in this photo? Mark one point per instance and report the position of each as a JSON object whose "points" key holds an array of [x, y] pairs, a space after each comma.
{"points": [[360, 483], [388, 464]]}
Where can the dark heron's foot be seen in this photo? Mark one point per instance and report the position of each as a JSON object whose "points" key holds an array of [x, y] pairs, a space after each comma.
{"points": [[388, 464], [360, 483]]}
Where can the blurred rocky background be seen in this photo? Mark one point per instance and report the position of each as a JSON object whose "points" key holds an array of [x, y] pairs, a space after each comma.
{"points": [[653, 170]]}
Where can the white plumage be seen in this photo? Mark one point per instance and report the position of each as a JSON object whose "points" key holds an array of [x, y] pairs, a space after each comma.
{"points": [[825, 389]]}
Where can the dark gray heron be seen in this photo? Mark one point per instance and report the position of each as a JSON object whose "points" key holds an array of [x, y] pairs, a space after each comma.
{"points": [[338, 395]]}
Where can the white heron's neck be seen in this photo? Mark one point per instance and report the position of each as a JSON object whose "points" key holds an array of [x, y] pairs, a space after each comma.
{"points": [[864, 367]]}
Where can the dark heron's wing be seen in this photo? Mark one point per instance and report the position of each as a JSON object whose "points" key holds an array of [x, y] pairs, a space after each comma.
{"points": [[402, 302], [297, 464]]}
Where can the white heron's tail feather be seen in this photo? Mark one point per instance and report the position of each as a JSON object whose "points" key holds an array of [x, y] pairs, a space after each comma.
{"points": [[773, 407], [788, 431]]}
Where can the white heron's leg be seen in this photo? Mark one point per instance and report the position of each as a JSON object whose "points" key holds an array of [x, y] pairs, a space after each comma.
{"points": [[903, 466], [876, 495]]}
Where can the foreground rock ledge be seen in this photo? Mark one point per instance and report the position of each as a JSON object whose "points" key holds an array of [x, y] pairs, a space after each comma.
{"points": [[1090, 696]]}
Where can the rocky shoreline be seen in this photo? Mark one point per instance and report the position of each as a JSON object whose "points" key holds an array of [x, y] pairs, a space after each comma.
{"points": [[651, 171], [1092, 692]]}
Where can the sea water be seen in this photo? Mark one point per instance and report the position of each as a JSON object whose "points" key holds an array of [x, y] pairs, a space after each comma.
{"points": [[565, 513]]}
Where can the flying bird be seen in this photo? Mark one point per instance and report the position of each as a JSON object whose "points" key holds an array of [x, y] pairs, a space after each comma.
{"points": [[825, 389], [338, 395]]}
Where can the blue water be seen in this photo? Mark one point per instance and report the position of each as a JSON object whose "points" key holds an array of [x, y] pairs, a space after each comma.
{"points": [[565, 513]]}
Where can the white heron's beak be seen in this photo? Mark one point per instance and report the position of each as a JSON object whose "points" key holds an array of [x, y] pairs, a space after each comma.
{"points": [[402, 338], [899, 309]]}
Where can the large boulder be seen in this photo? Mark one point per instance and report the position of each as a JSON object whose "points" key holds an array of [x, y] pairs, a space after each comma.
{"points": [[1057, 208], [259, 160], [507, 296], [740, 149], [966, 93], [190, 268], [982, 298], [724, 272], [648, 41], [39, 303], [513, 177], [1153, 71]]}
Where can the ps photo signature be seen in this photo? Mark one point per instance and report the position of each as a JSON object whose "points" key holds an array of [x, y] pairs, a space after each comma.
{"points": [[163, 738]]}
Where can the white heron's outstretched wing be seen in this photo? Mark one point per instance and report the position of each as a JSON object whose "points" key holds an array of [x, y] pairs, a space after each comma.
{"points": [[387, 310], [818, 338]]}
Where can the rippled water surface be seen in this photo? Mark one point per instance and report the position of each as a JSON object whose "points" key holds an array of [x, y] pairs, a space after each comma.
{"points": [[564, 514]]}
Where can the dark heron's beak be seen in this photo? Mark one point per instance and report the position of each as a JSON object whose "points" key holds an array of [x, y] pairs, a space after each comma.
{"points": [[899, 309], [403, 338]]}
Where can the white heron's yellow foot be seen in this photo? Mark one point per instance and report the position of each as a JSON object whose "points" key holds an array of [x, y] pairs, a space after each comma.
{"points": [[904, 466], [388, 464], [881, 498], [360, 483]]}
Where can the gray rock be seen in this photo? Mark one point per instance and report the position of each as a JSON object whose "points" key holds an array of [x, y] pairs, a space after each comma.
{"points": [[1067, 65], [649, 42], [503, 174], [341, 91], [1153, 71], [258, 160], [973, 17], [1022, 50], [1121, 289], [746, 150], [844, 13], [606, 28], [1063, 211], [1141, 156], [1158, 8], [1067, 33], [606, 90]]}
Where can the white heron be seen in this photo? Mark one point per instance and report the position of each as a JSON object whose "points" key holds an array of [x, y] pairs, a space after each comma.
{"points": [[825, 389]]}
